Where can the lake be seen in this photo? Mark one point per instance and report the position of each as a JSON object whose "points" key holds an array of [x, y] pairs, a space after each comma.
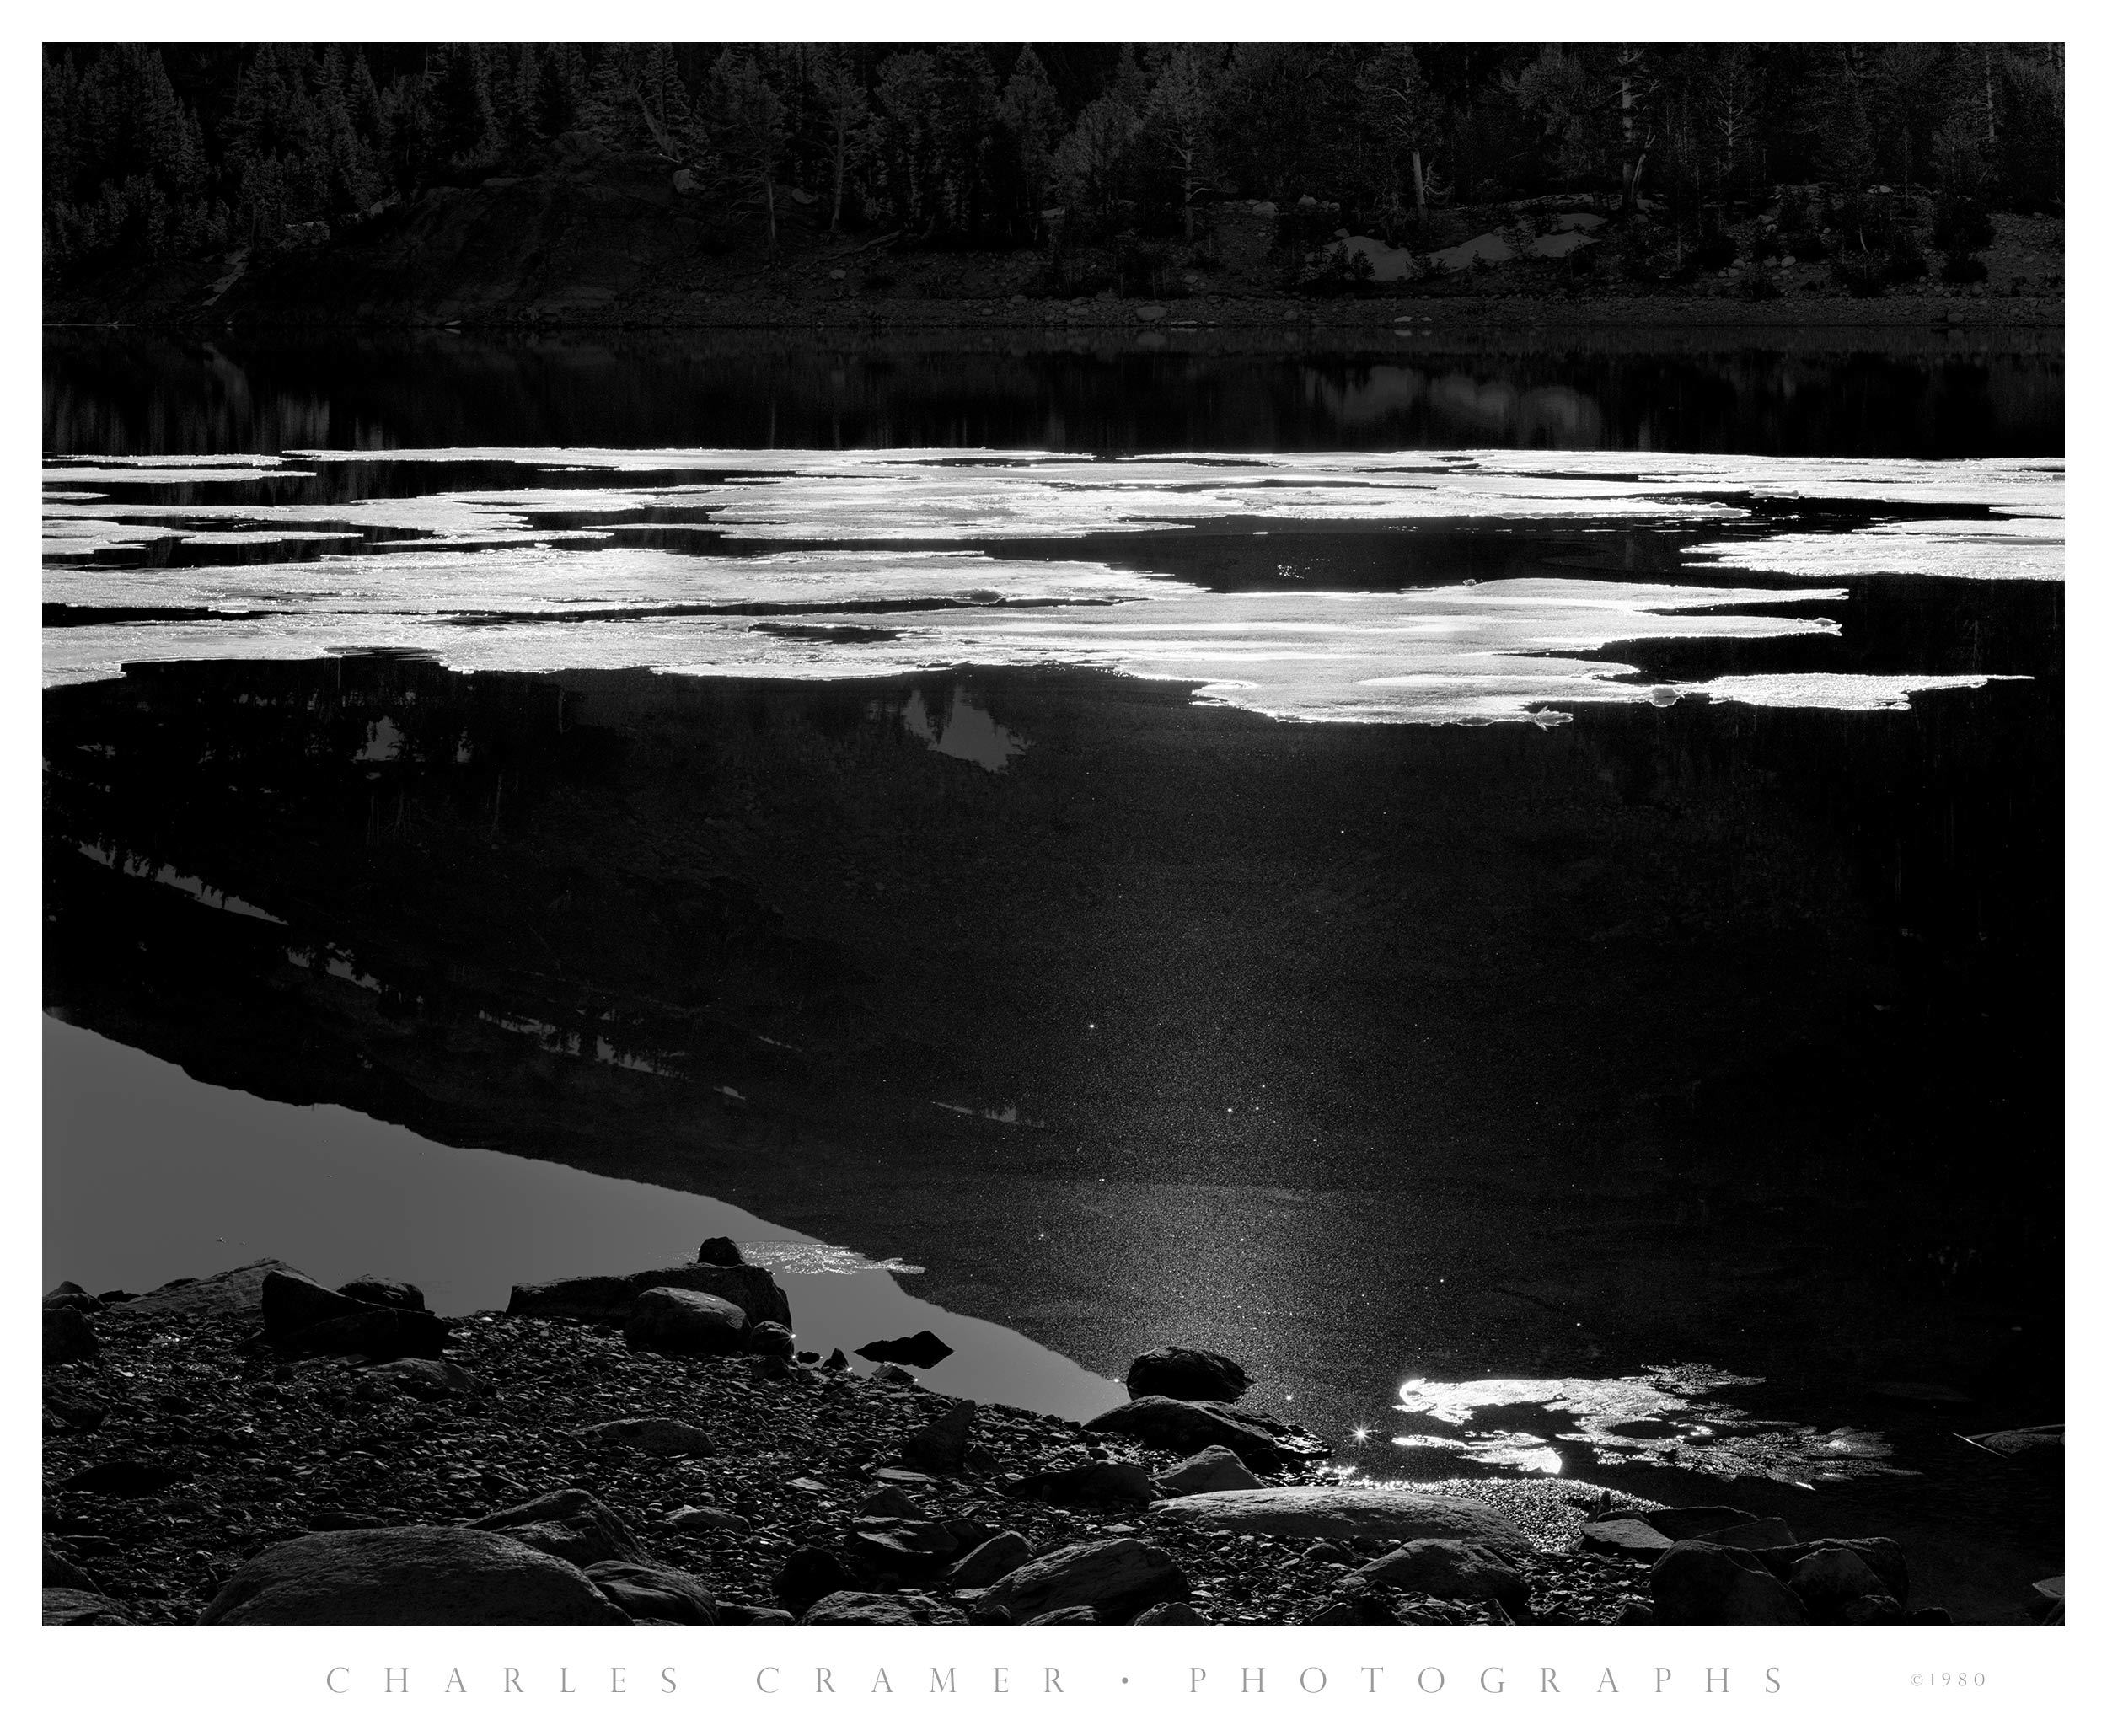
{"points": [[1515, 891]]}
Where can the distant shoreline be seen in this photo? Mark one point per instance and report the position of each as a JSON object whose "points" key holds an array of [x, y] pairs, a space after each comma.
{"points": [[1167, 321]]}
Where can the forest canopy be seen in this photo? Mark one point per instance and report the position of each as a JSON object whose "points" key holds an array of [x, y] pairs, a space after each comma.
{"points": [[160, 151]]}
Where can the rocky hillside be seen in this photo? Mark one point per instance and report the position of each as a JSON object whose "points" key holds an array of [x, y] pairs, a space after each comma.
{"points": [[605, 238]]}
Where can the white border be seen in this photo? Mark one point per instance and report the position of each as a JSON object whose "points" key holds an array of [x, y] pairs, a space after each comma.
{"points": [[125, 1680]]}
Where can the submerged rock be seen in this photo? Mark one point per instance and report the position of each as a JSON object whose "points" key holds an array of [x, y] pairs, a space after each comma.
{"points": [[720, 1250], [417, 1576]]}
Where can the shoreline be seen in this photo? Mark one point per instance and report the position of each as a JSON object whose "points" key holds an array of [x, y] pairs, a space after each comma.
{"points": [[748, 1482], [1960, 314]]}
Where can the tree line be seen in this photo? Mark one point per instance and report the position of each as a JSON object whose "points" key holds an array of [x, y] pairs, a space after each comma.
{"points": [[155, 152]]}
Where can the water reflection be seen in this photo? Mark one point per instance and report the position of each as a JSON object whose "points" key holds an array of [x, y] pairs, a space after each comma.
{"points": [[1923, 392], [1665, 1417], [149, 1175]]}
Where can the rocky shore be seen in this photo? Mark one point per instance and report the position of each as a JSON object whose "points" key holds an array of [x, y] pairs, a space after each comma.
{"points": [[254, 1447]]}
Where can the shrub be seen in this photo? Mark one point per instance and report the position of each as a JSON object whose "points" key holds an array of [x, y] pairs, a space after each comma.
{"points": [[1863, 275], [1962, 268], [1962, 225], [1803, 244], [1338, 272], [1757, 285], [1715, 251], [1904, 262]]}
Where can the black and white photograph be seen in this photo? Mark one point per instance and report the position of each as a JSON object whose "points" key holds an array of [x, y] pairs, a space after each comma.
{"points": [[951, 834]]}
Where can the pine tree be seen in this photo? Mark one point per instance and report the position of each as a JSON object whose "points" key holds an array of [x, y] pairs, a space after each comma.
{"points": [[1032, 113]]}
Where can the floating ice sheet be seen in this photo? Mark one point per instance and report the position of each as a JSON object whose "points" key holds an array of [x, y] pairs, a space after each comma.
{"points": [[2027, 547], [1461, 653], [511, 579]]}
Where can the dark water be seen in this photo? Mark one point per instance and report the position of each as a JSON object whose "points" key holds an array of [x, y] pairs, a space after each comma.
{"points": [[1965, 395], [1715, 1035]]}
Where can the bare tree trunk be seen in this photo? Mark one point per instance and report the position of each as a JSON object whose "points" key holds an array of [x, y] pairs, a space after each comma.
{"points": [[768, 188], [841, 170], [1419, 190]]}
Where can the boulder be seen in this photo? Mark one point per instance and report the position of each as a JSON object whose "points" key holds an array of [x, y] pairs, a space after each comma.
{"points": [[1877, 1610], [1177, 1372], [1077, 1615], [807, 1576], [1631, 1537], [62, 1575], [384, 1293], [924, 1350], [858, 1609], [233, 1292], [708, 1519], [1444, 1567], [1400, 1514], [1186, 1427], [767, 1338], [68, 1338], [719, 1251], [291, 1302], [2042, 1443], [891, 1374], [416, 1576], [1827, 1579], [1703, 1585], [752, 1290], [1883, 1554], [1209, 1469], [1118, 1578], [647, 1593], [662, 1437], [383, 1334], [684, 1323], [940, 1447], [72, 1295], [754, 1615], [982, 1567], [570, 1523], [1170, 1614], [64, 1607]]}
